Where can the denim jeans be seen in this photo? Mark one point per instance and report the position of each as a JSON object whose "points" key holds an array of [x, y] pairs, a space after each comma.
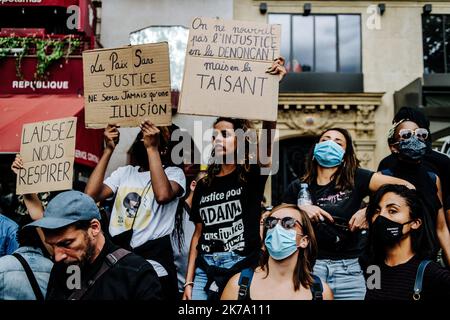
{"points": [[218, 259], [344, 277]]}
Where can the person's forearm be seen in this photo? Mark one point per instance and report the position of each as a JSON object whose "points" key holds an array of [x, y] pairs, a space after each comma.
{"points": [[268, 130], [161, 185], [34, 206], [447, 218], [443, 235], [193, 252], [95, 182], [379, 179]]}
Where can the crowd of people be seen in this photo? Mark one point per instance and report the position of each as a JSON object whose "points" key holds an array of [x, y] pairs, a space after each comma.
{"points": [[210, 239]]}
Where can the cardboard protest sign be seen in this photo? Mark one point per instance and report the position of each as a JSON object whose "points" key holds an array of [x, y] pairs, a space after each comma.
{"points": [[48, 150], [127, 85], [225, 69]]}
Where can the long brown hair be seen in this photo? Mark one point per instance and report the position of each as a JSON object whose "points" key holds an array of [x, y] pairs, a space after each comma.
{"points": [[306, 257], [345, 174], [244, 168]]}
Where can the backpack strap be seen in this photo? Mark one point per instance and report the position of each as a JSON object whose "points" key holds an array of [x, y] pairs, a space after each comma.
{"points": [[317, 288], [31, 278], [419, 279], [244, 283], [109, 262]]}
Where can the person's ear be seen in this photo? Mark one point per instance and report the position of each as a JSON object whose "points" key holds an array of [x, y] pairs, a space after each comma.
{"points": [[416, 224], [393, 148], [304, 242], [95, 227]]}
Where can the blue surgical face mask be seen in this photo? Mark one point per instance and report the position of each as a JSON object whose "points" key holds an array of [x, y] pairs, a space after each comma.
{"points": [[280, 242], [328, 154]]}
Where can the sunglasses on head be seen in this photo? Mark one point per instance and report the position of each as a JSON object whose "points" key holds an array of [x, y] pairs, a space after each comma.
{"points": [[420, 133], [286, 222]]}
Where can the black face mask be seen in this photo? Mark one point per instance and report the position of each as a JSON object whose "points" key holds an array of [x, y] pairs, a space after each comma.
{"points": [[412, 148], [387, 232]]}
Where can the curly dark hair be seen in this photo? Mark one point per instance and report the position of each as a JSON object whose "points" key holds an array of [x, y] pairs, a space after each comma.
{"points": [[242, 168], [424, 243], [138, 153]]}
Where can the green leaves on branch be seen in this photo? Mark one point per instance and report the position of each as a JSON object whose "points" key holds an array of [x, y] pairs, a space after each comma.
{"points": [[47, 51]]}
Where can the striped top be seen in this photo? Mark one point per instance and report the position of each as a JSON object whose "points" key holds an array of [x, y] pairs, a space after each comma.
{"points": [[397, 283]]}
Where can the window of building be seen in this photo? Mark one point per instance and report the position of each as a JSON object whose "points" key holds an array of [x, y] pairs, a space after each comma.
{"points": [[436, 39], [320, 43], [177, 37]]}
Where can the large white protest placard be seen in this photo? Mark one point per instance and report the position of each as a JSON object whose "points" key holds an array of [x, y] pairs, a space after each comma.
{"points": [[225, 69]]}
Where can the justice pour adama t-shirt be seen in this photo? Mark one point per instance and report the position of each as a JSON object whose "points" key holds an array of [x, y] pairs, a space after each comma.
{"points": [[342, 204], [230, 210]]}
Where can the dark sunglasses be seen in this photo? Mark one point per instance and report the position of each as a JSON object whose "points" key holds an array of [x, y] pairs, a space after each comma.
{"points": [[420, 133], [286, 222]]}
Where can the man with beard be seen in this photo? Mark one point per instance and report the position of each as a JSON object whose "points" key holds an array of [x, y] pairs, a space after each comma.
{"points": [[88, 266]]}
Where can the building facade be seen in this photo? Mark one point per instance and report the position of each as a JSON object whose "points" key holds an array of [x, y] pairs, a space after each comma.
{"points": [[351, 64]]}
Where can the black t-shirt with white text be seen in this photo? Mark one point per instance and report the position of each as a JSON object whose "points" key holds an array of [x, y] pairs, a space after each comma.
{"points": [[341, 204], [230, 210]]}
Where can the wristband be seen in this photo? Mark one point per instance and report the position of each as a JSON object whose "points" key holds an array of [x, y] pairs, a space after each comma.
{"points": [[188, 284]]}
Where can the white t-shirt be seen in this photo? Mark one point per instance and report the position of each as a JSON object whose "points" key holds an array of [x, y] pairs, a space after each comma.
{"points": [[153, 220]]}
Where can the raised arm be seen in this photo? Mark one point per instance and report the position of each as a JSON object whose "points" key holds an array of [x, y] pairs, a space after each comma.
{"points": [[95, 187], [379, 179], [268, 132], [164, 190], [32, 203], [31, 200], [277, 68]]}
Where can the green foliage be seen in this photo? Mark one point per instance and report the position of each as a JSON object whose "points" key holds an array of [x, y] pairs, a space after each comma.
{"points": [[48, 51]]}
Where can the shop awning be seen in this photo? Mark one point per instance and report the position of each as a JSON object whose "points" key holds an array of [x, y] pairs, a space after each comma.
{"points": [[38, 3], [16, 110]]}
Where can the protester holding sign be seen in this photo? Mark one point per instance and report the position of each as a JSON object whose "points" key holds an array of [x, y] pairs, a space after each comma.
{"points": [[337, 186], [146, 198], [226, 208], [32, 202]]}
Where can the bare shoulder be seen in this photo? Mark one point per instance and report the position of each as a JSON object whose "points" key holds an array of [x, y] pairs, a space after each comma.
{"points": [[232, 288]]}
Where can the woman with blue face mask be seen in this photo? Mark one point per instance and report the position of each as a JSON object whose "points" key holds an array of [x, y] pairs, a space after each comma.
{"points": [[337, 186], [285, 270], [407, 142]]}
